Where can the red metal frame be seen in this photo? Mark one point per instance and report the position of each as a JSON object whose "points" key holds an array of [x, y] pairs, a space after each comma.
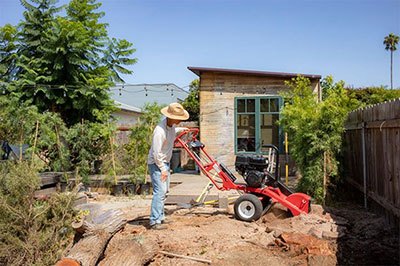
{"points": [[297, 203]]}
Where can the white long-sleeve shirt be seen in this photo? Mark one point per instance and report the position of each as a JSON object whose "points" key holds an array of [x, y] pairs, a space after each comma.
{"points": [[162, 144]]}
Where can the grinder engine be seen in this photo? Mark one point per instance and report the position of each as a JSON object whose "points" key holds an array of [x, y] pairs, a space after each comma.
{"points": [[253, 168]]}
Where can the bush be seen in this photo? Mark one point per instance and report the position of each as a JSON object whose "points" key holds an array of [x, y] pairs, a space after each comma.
{"points": [[32, 232], [314, 129], [140, 141], [57, 147], [87, 143], [372, 95]]}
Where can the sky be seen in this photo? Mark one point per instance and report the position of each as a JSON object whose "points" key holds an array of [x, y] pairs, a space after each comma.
{"points": [[342, 38]]}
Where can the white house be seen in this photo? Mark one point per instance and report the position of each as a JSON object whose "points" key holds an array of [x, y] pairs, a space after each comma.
{"points": [[125, 117]]}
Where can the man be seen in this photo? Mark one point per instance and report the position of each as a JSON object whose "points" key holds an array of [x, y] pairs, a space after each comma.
{"points": [[158, 160]]}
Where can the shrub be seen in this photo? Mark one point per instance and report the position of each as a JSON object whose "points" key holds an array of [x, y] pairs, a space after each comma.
{"points": [[32, 232], [140, 141], [372, 95], [314, 129], [87, 143]]}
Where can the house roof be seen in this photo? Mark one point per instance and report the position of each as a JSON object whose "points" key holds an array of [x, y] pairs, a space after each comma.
{"points": [[200, 70], [126, 107], [140, 94]]}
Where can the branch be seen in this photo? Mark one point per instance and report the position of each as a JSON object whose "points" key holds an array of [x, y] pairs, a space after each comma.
{"points": [[185, 257]]}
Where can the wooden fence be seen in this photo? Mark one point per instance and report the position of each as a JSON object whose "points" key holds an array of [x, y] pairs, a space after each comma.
{"points": [[372, 155]]}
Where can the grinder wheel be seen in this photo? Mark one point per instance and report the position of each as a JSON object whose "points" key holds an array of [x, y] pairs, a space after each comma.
{"points": [[248, 208]]}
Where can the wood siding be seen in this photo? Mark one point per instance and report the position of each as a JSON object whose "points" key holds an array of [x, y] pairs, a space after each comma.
{"points": [[380, 125]]}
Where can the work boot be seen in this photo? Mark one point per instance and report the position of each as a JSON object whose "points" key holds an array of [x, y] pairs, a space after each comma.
{"points": [[158, 227]]}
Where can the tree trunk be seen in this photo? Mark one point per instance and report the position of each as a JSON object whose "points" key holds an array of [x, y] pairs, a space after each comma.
{"points": [[99, 230], [391, 69], [127, 249]]}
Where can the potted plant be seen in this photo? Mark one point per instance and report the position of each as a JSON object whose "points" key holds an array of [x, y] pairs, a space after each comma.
{"points": [[131, 185], [139, 145]]}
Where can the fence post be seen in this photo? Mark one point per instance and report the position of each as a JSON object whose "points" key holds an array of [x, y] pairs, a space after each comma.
{"points": [[364, 164]]}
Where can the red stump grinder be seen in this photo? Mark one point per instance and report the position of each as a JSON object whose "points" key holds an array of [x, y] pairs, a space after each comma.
{"points": [[261, 190]]}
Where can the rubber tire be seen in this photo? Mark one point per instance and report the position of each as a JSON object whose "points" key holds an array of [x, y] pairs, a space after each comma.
{"points": [[266, 202], [251, 203]]}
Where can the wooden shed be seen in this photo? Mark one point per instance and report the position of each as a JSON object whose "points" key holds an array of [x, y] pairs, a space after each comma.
{"points": [[239, 110]]}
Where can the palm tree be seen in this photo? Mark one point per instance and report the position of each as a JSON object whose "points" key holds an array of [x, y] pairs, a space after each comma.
{"points": [[391, 41]]}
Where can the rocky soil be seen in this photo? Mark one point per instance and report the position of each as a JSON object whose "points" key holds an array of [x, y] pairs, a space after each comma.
{"points": [[326, 236]]}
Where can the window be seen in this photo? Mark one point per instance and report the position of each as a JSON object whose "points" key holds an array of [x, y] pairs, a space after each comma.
{"points": [[255, 123]]}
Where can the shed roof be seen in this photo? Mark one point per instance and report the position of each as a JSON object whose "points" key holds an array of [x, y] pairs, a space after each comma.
{"points": [[200, 70]]}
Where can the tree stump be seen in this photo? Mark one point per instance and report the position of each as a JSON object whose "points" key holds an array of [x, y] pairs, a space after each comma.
{"points": [[127, 249], [96, 232]]}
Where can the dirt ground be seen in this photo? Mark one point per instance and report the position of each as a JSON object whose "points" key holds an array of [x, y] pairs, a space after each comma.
{"points": [[330, 236]]}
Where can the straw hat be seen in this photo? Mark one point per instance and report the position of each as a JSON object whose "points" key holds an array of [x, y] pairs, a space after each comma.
{"points": [[175, 111]]}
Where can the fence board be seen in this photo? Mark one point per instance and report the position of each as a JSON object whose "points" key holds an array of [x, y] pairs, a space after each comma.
{"points": [[382, 150]]}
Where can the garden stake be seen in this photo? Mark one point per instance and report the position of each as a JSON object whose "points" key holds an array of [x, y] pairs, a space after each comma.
{"points": [[34, 143], [287, 159], [113, 160]]}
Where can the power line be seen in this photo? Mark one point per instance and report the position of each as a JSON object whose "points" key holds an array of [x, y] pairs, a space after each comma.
{"points": [[144, 88], [128, 88]]}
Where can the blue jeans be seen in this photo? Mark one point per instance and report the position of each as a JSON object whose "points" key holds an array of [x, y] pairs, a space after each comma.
{"points": [[160, 190]]}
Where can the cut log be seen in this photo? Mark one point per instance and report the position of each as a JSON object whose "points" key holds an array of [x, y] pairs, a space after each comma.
{"points": [[67, 262], [97, 231], [82, 226], [127, 249]]}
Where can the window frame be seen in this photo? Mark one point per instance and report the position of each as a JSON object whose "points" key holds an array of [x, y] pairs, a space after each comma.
{"points": [[257, 114]]}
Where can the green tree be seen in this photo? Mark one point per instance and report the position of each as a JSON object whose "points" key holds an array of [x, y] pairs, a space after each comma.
{"points": [[315, 129], [8, 56], [67, 64], [390, 43], [116, 56], [17, 123], [45, 133], [35, 33], [191, 103]]}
